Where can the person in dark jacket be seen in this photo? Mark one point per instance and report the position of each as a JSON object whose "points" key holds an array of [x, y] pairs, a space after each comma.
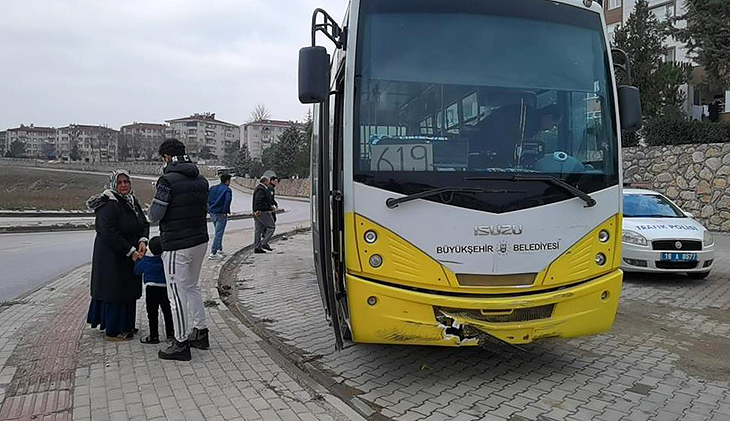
{"points": [[505, 128], [181, 206], [121, 239], [220, 197], [262, 214], [153, 276]]}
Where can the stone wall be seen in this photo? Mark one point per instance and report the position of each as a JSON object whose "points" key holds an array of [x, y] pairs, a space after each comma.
{"points": [[134, 167], [695, 177], [286, 187]]}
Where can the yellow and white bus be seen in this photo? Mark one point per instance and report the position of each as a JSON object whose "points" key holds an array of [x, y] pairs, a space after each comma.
{"points": [[466, 171]]}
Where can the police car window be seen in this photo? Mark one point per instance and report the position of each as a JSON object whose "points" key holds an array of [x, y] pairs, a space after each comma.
{"points": [[649, 206]]}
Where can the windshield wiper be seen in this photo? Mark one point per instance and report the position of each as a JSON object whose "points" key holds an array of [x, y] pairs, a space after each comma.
{"points": [[590, 202], [393, 202]]}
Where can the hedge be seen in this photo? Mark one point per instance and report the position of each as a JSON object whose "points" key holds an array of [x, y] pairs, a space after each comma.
{"points": [[671, 130]]}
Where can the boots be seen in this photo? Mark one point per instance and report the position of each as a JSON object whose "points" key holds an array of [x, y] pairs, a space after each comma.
{"points": [[199, 338], [179, 351]]}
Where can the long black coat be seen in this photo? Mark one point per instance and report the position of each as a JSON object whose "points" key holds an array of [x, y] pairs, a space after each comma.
{"points": [[118, 229]]}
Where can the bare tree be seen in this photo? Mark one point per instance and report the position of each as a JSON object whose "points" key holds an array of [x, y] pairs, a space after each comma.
{"points": [[259, 113]]}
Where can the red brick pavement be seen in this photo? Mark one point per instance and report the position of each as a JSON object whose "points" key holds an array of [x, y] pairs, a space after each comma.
{"points": [[46, 359]]}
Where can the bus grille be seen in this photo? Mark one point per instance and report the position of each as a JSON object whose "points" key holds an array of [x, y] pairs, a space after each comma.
{"points": [[520, 279], [500, 316]]}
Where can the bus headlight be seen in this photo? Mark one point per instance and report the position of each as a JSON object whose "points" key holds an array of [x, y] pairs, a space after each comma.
{"points": [[600, 259], [633, 237], [603, 236], [708, 240], [370, 237], [376, 260]]}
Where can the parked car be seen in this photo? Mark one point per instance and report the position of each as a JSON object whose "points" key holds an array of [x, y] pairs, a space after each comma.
{"points": [[659, 237]]}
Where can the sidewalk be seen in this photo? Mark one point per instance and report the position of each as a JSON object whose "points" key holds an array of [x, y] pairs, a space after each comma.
{"points": [[664, 360], [53, 366]]}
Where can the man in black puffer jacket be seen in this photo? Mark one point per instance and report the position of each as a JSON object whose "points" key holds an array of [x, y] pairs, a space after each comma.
{"points": [[181, 206], [263, 217]]}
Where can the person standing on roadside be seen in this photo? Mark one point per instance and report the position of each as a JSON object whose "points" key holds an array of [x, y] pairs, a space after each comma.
{"points": [[181, 207], [121, 240], [219, 207], [262, 215]]}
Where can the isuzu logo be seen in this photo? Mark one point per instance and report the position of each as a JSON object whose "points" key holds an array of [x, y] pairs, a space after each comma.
{"points": [[498, 230]]}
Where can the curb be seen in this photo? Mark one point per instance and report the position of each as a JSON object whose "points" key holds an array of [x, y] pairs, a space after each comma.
{"points": [[335, 394], [293, 198], [90, 225]]}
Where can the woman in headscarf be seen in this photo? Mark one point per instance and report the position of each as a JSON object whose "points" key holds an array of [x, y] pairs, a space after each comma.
{"points": [[121, 238]]}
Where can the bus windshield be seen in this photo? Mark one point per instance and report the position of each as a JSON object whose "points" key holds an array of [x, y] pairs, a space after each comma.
{"points": [[448, 90]]}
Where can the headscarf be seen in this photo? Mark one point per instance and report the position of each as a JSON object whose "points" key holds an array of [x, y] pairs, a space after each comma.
{"points": [[111, 192], [113, 178]]}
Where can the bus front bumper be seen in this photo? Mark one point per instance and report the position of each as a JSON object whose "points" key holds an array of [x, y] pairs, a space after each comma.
{"points": [[391, 315]]}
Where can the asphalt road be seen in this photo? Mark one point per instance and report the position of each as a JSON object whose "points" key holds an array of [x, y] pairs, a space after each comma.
{"points": [[28, 261]]}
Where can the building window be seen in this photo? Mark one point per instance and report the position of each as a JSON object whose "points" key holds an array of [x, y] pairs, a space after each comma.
{"points": [[669, 55], [665, 11], [614, 4]]}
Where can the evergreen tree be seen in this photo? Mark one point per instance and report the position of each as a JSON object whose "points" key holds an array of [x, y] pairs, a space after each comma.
{"points": [[670, 77], [75, 154], [205, 152], [242, 162], [17, 150], [707, 36], [642, 38], [123, 150]]}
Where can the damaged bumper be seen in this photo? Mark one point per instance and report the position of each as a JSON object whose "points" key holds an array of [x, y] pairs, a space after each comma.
{"points": [[391, 315]]}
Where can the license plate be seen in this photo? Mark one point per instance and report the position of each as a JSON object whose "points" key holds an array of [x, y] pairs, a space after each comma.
{"points": [[679, 257]]}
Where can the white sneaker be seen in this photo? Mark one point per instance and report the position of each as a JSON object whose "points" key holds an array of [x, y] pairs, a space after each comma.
{"points": [[214, 256]]}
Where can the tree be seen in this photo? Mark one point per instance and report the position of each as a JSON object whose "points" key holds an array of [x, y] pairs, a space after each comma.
{"points": [[17, 149], [48, 150], [242, 162], [75, 154], [670, 77], [707, 36], [74, 133], [257, 168], [230, 154], [289, 155], [259, 113], [205, 152], [123, 149], [642, 39]]}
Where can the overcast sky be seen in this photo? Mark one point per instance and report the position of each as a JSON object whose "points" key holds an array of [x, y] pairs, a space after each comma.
{"points": [[115, 62]]}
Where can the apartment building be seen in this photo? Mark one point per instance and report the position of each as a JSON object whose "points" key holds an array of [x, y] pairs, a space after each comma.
{"points": [[259, 135], [142, 139], [203, 135], [95, 143], [3, 142], [39, 141]]}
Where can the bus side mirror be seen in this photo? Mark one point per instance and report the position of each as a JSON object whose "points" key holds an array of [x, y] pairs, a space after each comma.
{"points": [[629, 106], [314, 68]]}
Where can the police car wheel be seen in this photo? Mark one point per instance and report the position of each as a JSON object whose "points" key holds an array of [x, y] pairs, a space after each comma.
{"points": [[698, 275]]}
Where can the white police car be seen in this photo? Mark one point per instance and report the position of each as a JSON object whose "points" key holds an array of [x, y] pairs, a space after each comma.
{"points": [[660, 237]]}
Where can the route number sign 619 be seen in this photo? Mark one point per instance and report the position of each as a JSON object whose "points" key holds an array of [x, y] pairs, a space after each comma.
{"points": [[401, 157]]}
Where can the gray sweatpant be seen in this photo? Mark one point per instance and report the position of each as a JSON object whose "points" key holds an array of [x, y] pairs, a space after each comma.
{"points": [[182, 270], [264, 228]]}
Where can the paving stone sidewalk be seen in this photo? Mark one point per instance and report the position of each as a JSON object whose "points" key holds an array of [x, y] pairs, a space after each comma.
{"points": [[665, 359], [53, 366]]}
